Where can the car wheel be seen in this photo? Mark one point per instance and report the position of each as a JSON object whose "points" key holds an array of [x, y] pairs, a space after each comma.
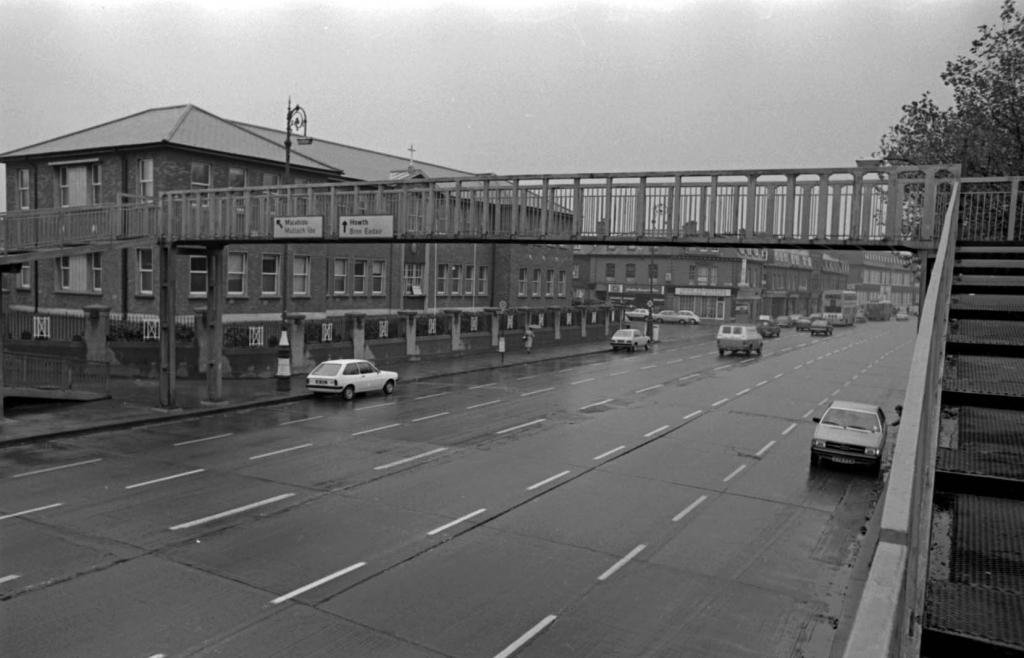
{"points": [[632, 348], [349, 392], [389, 387], [647, 347], [721, 352], [815, 459], [759, 350]]}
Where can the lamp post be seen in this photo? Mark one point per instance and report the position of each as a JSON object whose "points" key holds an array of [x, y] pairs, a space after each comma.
{"points": [[295, 120]]}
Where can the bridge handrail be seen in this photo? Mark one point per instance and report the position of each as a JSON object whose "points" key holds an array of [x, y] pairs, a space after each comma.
{"points": [[41, 228], [888, 617]]}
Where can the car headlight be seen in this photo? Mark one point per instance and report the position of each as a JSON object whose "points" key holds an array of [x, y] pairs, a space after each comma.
{"points": [[872, 452], [818, 443]]}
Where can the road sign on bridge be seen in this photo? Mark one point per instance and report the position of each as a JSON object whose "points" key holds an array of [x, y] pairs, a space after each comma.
{"points": [[366, 226], [298, 227]]}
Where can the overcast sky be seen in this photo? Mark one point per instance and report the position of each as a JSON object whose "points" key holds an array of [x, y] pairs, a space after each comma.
{"points": [[510, 87]]}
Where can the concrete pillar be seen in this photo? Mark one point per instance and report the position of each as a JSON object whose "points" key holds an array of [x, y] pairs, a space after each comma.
{"points": [[216, 290], [97, 326], [297, 340], [455, 318], [412, 347], [497, 317], [607, 320], [584, 316], [556, 314], [358, 335], [168, 357]]}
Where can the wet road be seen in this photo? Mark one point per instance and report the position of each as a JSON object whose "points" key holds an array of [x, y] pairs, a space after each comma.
{"points": [[657, 503]]}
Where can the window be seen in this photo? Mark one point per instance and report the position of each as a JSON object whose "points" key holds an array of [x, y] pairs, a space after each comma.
{"points": [[24, 198], [467, 287], [270, 274], [75, 185], [80, 273], [377, 277], [359, 277], [481, 280], [236, 177], [197, 276], [145, 187], [456, 279], [536, 283], [442, 279], [561, 283], [549, 283], [200, 179], [236, 274], [522, 282], [271, 179], [609, 270], [24, 280], [340, 276], [96, 188], [575, 272], [144, 261], [412, 279], [300, 275], [652, 271], [630, 271]]}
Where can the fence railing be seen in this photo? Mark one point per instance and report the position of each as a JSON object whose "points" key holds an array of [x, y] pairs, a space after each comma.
{"points": [[991, 209], [55, 373], [27, 230]]}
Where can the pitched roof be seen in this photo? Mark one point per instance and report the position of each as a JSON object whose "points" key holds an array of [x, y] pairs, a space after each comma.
{"points": [[192, 127]]}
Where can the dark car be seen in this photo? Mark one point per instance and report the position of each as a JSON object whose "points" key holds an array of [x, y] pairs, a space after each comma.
{"points": [[802, 323], [784, 320], [820, 326], [768, 328]]}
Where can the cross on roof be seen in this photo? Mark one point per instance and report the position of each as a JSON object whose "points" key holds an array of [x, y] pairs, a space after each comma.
{"points": [[411, 152]]}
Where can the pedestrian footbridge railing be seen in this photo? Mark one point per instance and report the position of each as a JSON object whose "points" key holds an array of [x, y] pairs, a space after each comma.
{"points": [[873, 207], [27, 232], [888, 617]]}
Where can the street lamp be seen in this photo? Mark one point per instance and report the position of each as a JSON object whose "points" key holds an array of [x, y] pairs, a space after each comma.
{"points": [[295, 120]]}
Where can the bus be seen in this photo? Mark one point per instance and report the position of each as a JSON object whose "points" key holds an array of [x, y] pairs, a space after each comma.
{"points": [[839, 307], [879, 310]]}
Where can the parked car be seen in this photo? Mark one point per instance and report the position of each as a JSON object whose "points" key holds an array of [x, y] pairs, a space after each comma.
{"points": [[739, 338], [681, 317], [630, 339], [802, 323], [902, 317], [850, 433], [820, 327], [768, 328], [637, 313], [784, 320], [346, 377]]}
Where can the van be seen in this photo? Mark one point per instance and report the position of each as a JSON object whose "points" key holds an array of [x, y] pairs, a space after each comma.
{"points": [[739, 338]]}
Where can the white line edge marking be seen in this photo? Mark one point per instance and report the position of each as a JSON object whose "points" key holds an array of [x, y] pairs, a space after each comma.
{"points": [[375, 406], [547, 481], [282, 451], [610, 452], [689, 508], [57, 468], [317, 583], [376, 429], [207, 438], [766, 448], [519, 427], [581, 381], [236, 510], [650, 388], [456, 521], [432, 395], [7, 579], [300, 420], [739, 469], [693, 414], [482, 404], [29, 511], [743, 392], [526, 637], [657, 431], [165, 479], [622, 562], [408, 459], [596, 404], [539, 390], [788, 429], [473, 388], [430, 417], [720, 402]]}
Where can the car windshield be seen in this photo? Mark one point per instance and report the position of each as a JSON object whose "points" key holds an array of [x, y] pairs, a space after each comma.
{"points": [[852, 420], [326, 370], [623, 333]]}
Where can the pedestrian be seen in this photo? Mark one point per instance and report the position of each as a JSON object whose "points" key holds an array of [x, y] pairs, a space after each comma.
{"points": [[899, 415], [528, 339]]}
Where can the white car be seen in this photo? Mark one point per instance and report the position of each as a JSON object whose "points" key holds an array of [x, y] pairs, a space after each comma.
{"points": [[346, 377], [850, 433], [739, 338], [630, 339], [682, 317], [638, 313]]}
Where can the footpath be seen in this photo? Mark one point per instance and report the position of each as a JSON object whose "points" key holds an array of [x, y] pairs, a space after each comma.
{"points": [[136, 402]]}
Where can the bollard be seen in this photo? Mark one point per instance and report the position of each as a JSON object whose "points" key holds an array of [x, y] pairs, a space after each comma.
{"points": [[284, 362]]}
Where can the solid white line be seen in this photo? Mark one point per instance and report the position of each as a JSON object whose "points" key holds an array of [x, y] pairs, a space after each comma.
{"points": [[738, 470], [809, 412], [164, 479], [437, 415], [301, 420], [693, 414], [581, 381], [456, 521], [208, 438], [237, 510], [282, 451], [743, 392], [650, 388], [472, 388], [762, 382], [543, 482], [723, 367], [519, 427], [618, 565], [696, 374], [375, 406], [657, 431], [57, 468], [317, 583], [722, 401], [689, 508], [483, 404], [777, 376], [7, 579], [526, 637], [610, 452], [539, 390], [432, 395], [376, 429], [788, 429], [409, 459], [596, 404], [29, 511], [823, 401], [766, 448]]}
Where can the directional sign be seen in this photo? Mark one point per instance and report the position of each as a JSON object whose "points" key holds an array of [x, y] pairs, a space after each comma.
{"points": [[366, 227], [298, 227]]}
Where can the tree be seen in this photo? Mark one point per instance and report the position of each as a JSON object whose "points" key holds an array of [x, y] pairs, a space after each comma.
{"points": [[984, 128]]}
